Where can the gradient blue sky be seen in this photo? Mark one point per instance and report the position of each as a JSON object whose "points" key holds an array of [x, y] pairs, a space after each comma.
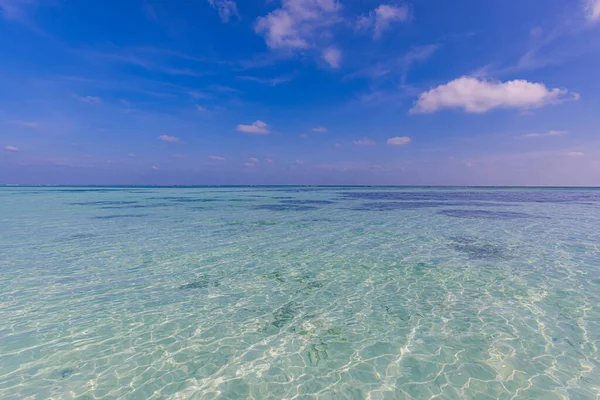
{"points": [[426, 92]]}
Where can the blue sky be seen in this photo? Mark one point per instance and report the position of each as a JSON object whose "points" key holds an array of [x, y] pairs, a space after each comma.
{"points": [[428, 92]]}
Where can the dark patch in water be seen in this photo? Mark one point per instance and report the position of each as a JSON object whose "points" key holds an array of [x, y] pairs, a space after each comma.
{"points": [[276, 275], [104, 203], [202, 283], [485, 214], [64, 373], [285, 314], [133, 206], [121, 216], [510, 196], [186, 199], [401, 205], [475, 249], [308, 202], [81, 236], [282, 197], [285, 207], [398, 312]]}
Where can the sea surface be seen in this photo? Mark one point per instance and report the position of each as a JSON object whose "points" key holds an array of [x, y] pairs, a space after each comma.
{"points": [[299, 293]]}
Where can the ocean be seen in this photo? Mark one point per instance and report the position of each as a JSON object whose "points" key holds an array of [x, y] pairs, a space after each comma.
{"points": [[299, 293]]}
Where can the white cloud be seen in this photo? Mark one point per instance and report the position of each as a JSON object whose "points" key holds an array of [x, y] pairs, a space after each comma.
{"points": [[258, 127], [131, 155], [381, 18], [364, 142], [167, 138], [154, 168], [253, 159], [249, 164], [269, 160], [201, 109], [27, 124], [225, 8], [319, 129], [332, 56], [216, 158], [11, 148], [304, 135], [89, 99], [575, 154], [180, 156], [592, 10], [544, 134], [399, 141], [296, 24], [477, 96]]}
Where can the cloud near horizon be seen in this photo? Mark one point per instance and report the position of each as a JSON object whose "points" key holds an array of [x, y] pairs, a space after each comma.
{"points": [[11, 148], [544, 134], [399, 141], [364, 142], [475, 95], [167, 138], [257, 127]]}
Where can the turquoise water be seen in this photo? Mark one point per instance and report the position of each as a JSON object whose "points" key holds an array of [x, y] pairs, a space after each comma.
{"points": [[292, 292]]}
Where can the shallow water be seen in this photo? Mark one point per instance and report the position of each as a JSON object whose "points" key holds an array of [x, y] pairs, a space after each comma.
{"points": [[271, 293]]}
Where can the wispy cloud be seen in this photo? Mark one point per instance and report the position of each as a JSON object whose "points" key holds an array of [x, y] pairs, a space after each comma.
{"points": [[226, 9], [399, 141], [257, 127], [575, 154], [253, 159], [154, 168], [381, 18], [364, 142], [11, 148], [216, 158], [27, 124], [414, 56], [267, 81], [544, 134], [89, 99], [592, 10], [319, 129], [167, 138], [201, 108], [332, 56], [478, 96]]}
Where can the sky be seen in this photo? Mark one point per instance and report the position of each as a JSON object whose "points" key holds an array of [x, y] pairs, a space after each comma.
{"points": [[324, 92]]}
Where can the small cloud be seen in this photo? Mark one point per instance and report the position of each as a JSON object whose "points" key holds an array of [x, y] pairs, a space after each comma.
{"points": [[575, 154], [267, 81], [125, 102], [269, 160], [399, 141], [225, 8], [27, 124], [249, 164], [544, 134], [88, 156], [167, 138], [592, 10], [469, 164], [304, 135], [337, 145], [478, 96], [254, 160], [197, 95], [131, 155], [110, 161], [154, 168], [180, 156], [381, 18], [258, 128], [216, 158], [201, 109], [319, 129], [364, 142], [332, 56], [11, 148], [89, 99]]}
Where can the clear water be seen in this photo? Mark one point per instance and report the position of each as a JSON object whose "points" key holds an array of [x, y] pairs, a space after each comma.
{"points": [[272, 293]]}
